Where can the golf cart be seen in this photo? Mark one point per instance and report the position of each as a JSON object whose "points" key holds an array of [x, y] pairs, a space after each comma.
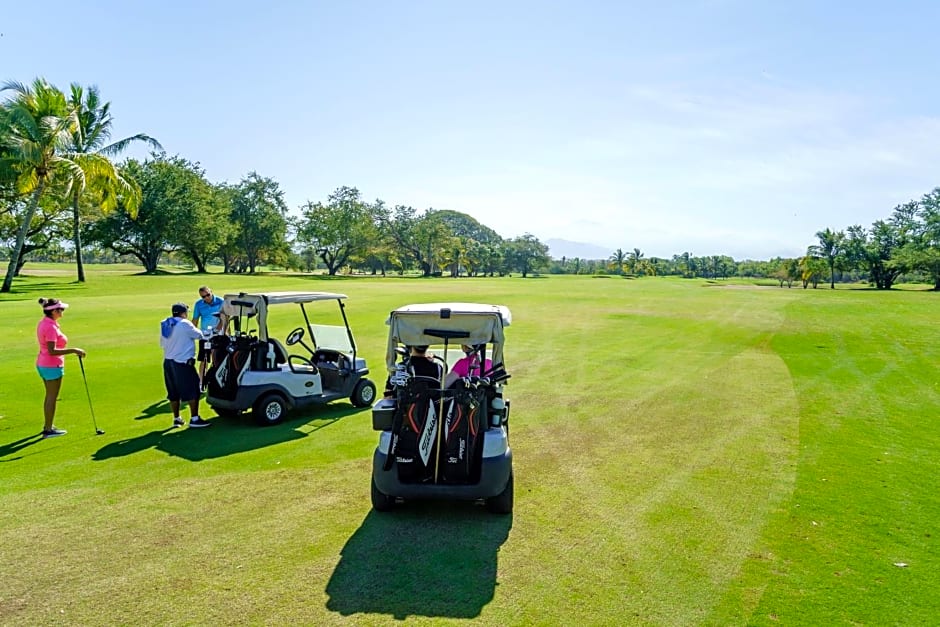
{"points": [[441, 441], [253, 370]]}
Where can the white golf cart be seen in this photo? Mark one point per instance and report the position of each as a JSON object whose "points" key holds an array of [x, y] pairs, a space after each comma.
{"points": [[440, 442], [253, 370]]}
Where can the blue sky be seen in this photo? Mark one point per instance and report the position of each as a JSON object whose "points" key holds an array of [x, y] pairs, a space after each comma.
{"points": [[708, 126]]}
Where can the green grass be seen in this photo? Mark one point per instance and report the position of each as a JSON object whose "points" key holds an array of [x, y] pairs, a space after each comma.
{"points": [[685, 453]]}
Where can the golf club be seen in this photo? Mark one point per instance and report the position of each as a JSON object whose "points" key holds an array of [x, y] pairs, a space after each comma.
{"points": [[81, 363]]}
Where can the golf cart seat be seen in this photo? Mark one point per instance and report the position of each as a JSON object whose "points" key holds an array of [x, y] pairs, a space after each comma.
{"points": [[280, 352]]}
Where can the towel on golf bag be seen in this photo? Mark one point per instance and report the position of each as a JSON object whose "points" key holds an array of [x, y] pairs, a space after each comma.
{"points": [[415, 440], [463, 423]]}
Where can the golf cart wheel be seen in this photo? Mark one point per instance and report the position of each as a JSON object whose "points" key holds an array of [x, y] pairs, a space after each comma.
{"points": [[502, 502], [381, 502], [270, 409], [363, 394]]}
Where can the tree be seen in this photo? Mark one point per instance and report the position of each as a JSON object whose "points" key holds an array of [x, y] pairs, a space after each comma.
{"points": [[617, 260], [526, 254], [39, 124], [260, 215], [89, 143], [340, 229], [633, 260], [923, 252], [830, 248], [148, 232]]}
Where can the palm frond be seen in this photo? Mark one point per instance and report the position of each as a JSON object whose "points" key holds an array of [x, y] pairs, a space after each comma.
{"points": [[121, 145]]}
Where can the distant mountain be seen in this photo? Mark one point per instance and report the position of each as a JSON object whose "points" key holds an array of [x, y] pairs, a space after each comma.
{"points": [[559, 248]]}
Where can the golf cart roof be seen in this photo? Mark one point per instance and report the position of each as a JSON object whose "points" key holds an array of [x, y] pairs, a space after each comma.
{"points": [[245, 304], [278, 298], [453, 323]]}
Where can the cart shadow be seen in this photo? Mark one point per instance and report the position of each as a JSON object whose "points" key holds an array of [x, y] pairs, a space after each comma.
{"points": [[226, 436], [423, 559]]}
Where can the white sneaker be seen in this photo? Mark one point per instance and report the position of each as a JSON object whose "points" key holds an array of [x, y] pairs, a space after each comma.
{"points": [[178, 421]]}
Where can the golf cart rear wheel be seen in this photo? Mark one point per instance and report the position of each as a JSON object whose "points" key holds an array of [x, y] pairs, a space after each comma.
{"points": [[502, 502], [363, 394], [381, 502], [270, 409]]}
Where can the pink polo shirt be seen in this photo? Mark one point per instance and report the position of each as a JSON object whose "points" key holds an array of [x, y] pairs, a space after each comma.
{"points": [[470, 366], [49, 331]]}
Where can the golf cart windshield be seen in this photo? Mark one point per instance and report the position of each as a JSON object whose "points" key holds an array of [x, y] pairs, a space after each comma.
{"points": [[455, 323]]}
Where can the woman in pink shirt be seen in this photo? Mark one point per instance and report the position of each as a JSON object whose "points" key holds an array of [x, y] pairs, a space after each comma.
{"points": [[469, 365], [51, 360]]}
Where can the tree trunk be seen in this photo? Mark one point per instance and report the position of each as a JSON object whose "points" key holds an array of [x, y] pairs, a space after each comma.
{"points": [[21, 236], [77, 239]]}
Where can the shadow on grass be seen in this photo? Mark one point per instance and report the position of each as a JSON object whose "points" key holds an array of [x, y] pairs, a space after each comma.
{"points": [[46, 289], [226, 436], [13, 447], [422, 559], [155, 409]]}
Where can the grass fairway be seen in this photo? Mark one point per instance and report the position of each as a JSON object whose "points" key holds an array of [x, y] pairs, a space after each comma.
{"points": [[685, 453]]}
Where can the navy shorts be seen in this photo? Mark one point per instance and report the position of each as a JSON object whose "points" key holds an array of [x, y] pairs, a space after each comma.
{"points": [[182, 381]]}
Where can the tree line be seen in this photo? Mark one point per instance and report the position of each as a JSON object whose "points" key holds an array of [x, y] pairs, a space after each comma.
{"points": [[59, 183], [62, 192], [906, 245]]}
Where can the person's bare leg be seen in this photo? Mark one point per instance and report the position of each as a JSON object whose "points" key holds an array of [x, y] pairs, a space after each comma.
{"points": [[49, 404], [194, 407], [175, 406]]}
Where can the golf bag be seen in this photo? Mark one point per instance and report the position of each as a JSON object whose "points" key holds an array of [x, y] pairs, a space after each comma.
{"points": [[464, 423], [415, 431], [229, 357]]}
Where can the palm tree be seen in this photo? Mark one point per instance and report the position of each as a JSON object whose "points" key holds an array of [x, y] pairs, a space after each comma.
{"points": [[831, 247], [617, 259], [89, 140], [39, 126]]}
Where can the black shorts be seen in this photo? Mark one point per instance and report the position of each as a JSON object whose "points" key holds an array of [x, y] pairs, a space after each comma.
{"points": [[204, 351], [182, 381]]}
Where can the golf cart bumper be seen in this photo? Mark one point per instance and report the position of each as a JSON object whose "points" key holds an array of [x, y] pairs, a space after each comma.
{"points": [[494, 475]]}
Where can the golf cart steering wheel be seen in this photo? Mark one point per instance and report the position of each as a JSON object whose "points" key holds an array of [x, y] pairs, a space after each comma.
{"points": [[295, 336]]}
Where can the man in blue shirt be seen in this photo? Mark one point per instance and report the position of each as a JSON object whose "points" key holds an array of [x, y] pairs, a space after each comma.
{"points": [[207, 305]]}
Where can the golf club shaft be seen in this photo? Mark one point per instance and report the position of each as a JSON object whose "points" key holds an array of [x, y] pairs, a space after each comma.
{"points": [[81, 363]]}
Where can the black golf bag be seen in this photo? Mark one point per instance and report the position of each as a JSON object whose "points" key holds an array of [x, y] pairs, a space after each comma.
{"points": [[464, 423], [414, 431], [229, 356]]}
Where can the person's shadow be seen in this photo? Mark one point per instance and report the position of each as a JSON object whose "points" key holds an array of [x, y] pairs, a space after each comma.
{"points": [[18, 445], [434, 559], [226, 435]]}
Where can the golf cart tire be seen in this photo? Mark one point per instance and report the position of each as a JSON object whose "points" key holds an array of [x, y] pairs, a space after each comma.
{"points": [[381, 502], [502, 502], [364, 394], [270, 409]]}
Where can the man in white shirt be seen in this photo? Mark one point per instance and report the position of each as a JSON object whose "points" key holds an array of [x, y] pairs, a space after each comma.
{"points": [[177, 334]]}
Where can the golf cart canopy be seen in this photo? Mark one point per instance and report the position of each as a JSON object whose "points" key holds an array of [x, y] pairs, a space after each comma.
{"points": [[257, 304], [457, 323]]}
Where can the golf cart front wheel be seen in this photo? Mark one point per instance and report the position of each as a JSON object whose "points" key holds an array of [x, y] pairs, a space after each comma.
{"points": [[363, 394], [502, 502], [270, 410], [381, 502]]}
